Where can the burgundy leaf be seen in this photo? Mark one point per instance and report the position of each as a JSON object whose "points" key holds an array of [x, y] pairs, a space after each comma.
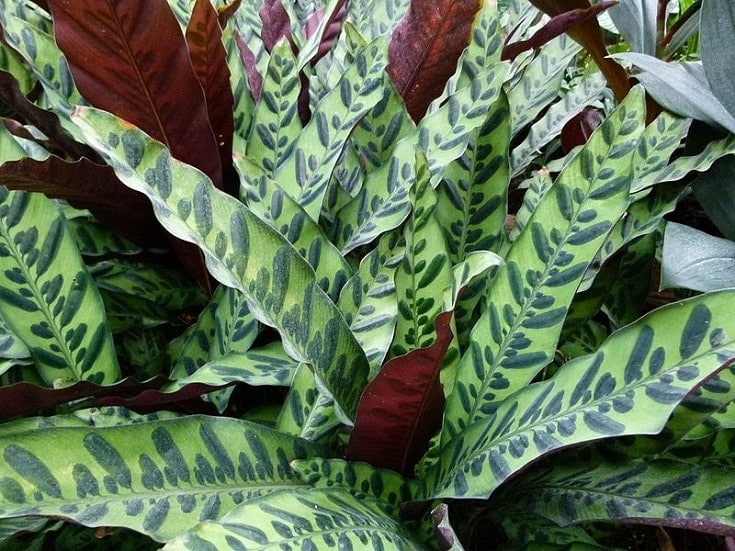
{"points": [[87, 185], [331, 30], [401, 409], [255, 79], [209, 60], [45, 121], [557, 25], [276, 23], [130, 58], [225, 13], [579, 129], [425, 47], [25, 398]]}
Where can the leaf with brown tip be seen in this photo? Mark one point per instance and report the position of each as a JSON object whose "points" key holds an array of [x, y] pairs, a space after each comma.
{"points": [[401, 409], [425, 47], [130, 58], [209, 60]]}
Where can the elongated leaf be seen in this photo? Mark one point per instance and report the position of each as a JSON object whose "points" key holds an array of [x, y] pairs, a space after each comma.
{"points": [[401, 408], [529, 297], [425, 273], [636, 21], [665, 355], [281, 288], [323, 518], [425, 47], [276, 24], [305, 173], [717, 44], [48, 298], [308, 412], [693, 259], [140, 72], [376, 17], [209, 60], [158, 478], [715, 192], [659, 492]]}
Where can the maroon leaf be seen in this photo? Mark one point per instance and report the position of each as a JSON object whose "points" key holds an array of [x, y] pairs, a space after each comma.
{"points": [[557, 25], [276, 23], [579, 129], [209, 60], [425, 47], [401, 409], [130, 58], [331, 30], [255, 79], [45, 121], [87, 185], [25, 398]]}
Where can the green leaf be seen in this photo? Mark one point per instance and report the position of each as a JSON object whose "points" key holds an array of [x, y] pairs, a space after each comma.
{"points": [[629, 386], [323, 518], [304, 174], [158, 477], [663, 492], [693, 259], [276, 125], [539, 82], [280, 287], [717, 44], [529, 297], [425, 273], [48, 298], [472, 194]]}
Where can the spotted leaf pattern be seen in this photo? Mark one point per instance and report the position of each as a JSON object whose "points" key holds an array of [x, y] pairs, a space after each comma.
{"points": [[676, 494], [529, 297], [280, 287], [157, 477], [57, 312], [322, 518], [629, 386], [307, 411]]}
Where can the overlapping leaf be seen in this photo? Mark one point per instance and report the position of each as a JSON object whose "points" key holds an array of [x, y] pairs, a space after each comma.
{"points": [[323, 518], [665, 355], [661, 492], [158, 478], [281, 288], [57, 312], [529, 297]]}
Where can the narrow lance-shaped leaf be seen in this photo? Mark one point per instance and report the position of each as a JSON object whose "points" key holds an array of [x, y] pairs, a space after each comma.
{"points": [[48, 298], [281, 287], [425, 47], [400, 409], [661, 492], [140, 72], [158, 478], [665, 355], [325, 517], [529, 297], [209, 60]]}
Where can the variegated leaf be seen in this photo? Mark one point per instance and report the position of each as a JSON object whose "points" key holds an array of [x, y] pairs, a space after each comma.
{"points": [[629, 386], [280, 287], [158, 477], [529, 297], [47, 296], [322, 518]]}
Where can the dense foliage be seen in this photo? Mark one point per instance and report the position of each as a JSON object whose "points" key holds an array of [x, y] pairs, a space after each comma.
{"points": [[364, 274]]}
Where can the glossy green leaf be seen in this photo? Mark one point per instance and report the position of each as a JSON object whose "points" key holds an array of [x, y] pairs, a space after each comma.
{"points": [[629, 386], [323, 518], [158, 477], [663, 492], [529, 297], [281, 288], [48, 298]]}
